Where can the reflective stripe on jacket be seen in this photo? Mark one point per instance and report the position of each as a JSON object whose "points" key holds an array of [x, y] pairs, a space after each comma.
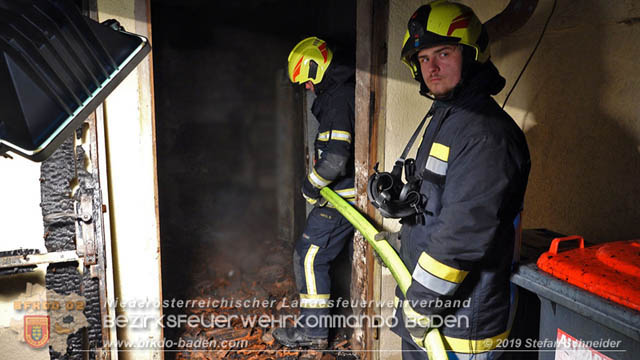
{"points": [[475, 164], [334, 145]]}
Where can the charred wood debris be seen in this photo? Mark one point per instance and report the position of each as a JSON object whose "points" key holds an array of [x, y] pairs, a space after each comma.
{"points": [[222, 279]]}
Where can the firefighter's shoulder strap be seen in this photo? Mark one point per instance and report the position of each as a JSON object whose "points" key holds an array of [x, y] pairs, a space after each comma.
{"points": [[397, 167]]}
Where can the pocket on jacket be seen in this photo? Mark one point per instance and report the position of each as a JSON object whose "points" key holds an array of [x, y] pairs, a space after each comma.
{"points": [[433, 193], [320, 223]]}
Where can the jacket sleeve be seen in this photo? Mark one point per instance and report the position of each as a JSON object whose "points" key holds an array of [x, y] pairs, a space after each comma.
{"points": [[333, 161], [478, 177]]}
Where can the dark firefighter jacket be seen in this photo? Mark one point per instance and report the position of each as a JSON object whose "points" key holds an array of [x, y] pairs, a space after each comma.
{"points": [[475, 165], [333, 158]]}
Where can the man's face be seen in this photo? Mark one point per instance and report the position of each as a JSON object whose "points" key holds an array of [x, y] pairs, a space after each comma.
{"points": [[309, 86], [441, 68]]}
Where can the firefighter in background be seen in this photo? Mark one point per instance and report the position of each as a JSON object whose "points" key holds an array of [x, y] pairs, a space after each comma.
{"points": [[314, 64], [474, 164]]}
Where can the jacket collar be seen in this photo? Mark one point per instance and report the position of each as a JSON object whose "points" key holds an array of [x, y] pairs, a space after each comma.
{"points": [[336, 75]]}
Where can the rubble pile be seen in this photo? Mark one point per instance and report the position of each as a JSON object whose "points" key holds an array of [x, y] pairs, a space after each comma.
{"points": [[231, 294]]}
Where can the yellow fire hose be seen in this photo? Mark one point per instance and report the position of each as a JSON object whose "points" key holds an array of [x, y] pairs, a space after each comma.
{"points": [[433, 341]]}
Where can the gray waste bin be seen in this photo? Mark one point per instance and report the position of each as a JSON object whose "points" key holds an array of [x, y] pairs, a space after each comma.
{"points": [[577, 324]]}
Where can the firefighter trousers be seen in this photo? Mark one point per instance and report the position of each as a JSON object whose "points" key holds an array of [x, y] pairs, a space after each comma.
{"points": [[411, 351], [324, 237]]}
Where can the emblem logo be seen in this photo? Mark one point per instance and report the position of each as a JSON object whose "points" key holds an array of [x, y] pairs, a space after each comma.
{"points": [[36, 330], [323, 51], [296, 69], [460, 22]]}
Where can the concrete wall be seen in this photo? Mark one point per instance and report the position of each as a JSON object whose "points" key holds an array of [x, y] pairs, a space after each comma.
{"points": [[21, 227], [577, 103], [20, 214], [16, 288]]}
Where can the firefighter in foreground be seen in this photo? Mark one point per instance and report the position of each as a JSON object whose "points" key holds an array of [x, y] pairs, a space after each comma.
{"points": [[314, 64], [473, 163]]}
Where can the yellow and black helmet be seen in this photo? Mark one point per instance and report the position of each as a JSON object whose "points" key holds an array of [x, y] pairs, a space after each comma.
{"points": [[442, 22], [309, 61]]}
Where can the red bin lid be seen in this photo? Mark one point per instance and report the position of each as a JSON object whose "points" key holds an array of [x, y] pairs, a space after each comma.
{"points": [[610, 270]]}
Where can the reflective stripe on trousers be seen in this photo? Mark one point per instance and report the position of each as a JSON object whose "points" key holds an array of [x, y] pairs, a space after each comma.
{"points": [[324, 237], [411, 351]]}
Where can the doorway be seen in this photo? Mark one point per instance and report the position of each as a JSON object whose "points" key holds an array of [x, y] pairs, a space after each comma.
{"points": [[230, 152]]}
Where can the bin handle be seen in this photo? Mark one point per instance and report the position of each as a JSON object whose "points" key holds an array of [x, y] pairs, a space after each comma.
{"points": [[553, 249]]}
